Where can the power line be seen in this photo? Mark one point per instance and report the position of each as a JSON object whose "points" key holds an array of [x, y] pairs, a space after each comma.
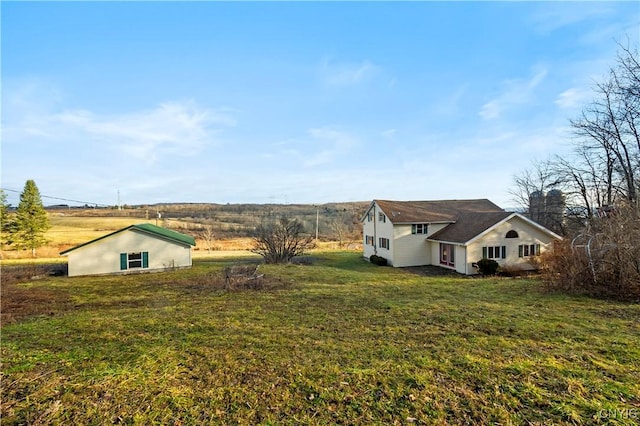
{"points": [[61, 199]]}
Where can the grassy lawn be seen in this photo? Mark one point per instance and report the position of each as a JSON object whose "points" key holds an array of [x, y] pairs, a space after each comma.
{"points": [[338, 342]]}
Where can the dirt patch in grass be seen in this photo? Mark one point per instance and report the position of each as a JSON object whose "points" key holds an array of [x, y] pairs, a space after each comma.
{"points": [[21, 297], [235, 277], [24, 295], [433, 271]]}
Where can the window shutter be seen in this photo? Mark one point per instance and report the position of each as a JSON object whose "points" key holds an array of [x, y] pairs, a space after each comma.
{"points": [[123, 261], [520, 250], [484, 252], [537, 249], [504, 252], [145, 259]]}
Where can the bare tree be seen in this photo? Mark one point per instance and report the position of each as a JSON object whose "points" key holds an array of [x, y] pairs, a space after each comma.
{"points": [[345, 226], [281, 240], [607, 133], [531, 182], [539, 192], [604, 168], [206, 233]]}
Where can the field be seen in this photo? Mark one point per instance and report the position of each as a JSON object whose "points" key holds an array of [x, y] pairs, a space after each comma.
{"points": [[339, 341], [231, 225]]}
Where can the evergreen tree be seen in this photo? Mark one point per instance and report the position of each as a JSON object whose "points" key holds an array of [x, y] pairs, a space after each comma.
{"points": [[6, 224], [31, 219]]}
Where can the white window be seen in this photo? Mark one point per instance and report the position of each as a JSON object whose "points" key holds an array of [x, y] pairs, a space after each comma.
{"points": [[384, 243], [134, 260], [526, 250], [419, 228], [381, 217], [494, 252], [369, 216], [368, 239]]}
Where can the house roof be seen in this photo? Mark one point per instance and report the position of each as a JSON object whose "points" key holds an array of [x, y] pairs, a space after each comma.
{"points": [[146, 228], [434, 211], [469, 225]]}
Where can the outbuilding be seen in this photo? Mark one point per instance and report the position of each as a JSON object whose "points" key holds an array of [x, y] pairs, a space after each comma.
{"points": [[134, 249]]}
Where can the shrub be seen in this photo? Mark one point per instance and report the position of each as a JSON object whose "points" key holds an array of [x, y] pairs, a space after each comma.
{"points": [[281, 240], [602, 261], [378, 260], [487, 266]]}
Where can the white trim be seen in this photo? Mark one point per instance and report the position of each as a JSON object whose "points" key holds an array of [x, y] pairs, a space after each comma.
{"points": [[366, 212], [456, 243], [511, 216], [425, 222]]}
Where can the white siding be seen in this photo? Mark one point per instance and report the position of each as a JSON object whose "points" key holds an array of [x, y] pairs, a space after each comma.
{"points": [[527, 234], [103, 256], [368, 229], [385, 230], [377, 229], [409, 249], [460, 256], [461, 259]]}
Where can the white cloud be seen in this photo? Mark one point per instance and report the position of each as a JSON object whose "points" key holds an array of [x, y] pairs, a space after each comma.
{"points": [[515, 92], [347, 74], [169, 129], [572, 98], [553, 16]]}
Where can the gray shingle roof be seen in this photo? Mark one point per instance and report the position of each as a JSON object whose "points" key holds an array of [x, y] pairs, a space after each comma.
{"points": [[433, 211], [467, 218], [468, 226]]}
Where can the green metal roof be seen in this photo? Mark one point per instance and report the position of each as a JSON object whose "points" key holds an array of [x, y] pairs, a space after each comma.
{"points": [[166, 233], [146, 228]]}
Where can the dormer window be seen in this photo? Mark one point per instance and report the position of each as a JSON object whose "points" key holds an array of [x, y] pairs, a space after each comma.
{"points": [[511, 234], [419, 228]]}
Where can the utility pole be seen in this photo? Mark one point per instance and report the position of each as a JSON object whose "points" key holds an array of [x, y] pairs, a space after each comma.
{"points": [[317, 221]]}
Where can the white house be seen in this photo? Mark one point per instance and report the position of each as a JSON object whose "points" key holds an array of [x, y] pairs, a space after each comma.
{"points": [[136, 248], [453, 234]]}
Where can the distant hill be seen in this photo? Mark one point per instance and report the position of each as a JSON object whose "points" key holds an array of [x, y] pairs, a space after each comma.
{"points": [[234, 220]]}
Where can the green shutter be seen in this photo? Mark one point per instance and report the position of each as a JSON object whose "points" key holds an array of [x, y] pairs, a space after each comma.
{"points": [[504, 252], [520, 253], [123, 261], [484, 252], [145, 259], [537, 249]]}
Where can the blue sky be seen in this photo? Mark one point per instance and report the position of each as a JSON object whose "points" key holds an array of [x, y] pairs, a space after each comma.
{"points": [[295, 102]]}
